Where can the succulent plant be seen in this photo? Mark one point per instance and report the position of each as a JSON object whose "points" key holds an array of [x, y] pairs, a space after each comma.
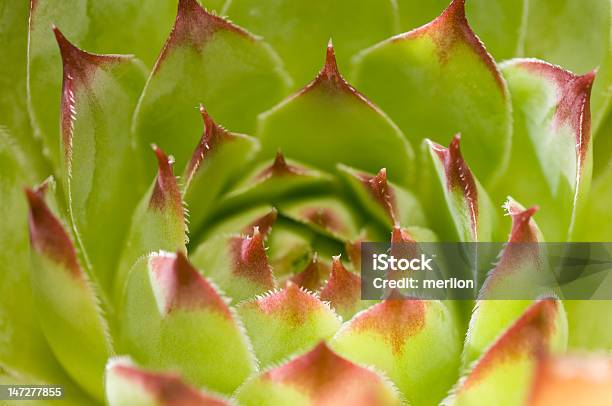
{"points": [[280, 178]]}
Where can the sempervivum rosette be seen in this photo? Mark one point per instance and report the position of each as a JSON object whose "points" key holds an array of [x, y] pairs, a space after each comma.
{"points": [[231, 133]]}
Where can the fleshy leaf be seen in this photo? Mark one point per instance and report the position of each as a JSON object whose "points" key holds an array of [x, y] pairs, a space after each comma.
{"points": [[24, 349], [572, 380], [552, 150], [175, 319], [97, 153], [454, 190], [286, 322], [104, 26], [158, 222], [328, 215], [343, 291], [129, 385], [66, 303], [237, 263], [389, 203], [319, 377], [299, 30], [206, 60], [415, 342], [442, 75], [216, 160], [313, 275], [520, 267], [272, 183], [13, 82], [329, 122], [503, 374]]}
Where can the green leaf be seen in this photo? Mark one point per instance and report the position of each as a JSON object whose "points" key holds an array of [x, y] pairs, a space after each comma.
{"points": [[558, 29], [287, 322], [103, 26], [206, 60], [415, 342], [518, 273], [129, 385], [13, 82], [389, 203], [97, 153], [66, 302], [218, 158], [443, 82], [158, 222], [552, 151], [456, 197], [237, 263], [299, 30], [503, 374], [328, 215], [328, 122], [279, 181], [318, 377], [24, 349], [174, 318]]}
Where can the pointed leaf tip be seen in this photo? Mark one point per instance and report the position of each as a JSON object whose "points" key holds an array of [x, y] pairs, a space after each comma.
{"points": [[459, 176], [312, 276], [194, 25], [250, 260], [212, 136], [523, 229], [166, 190], [343, 289], [401, 235], [382, 192], [264, 223], [179, 286], [47, 234], [280, 167]]}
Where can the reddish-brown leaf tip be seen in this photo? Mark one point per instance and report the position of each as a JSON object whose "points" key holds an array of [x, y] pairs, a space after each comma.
{"points": [[451, 28], [249, 259], [459, 177], [523, 229], [343, 289], [181, 287], [312, 276], [166, 190], [394, 320], [528, 336], [193, 27], [279, 168], [573, 101], [167, 388], [291, 304], [328, 378], [264, 223], [47, 234], [212, 136], [381, 191]]}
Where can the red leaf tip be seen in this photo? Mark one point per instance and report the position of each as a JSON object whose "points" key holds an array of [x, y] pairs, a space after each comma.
{"points": [[250, 260], [165, 190], [523, 230], [327, 378], [47, 234], [280, 167], [459, 177], [264, 223], [213, 135], [180, 286], [381, 191], [166, 388], [343, 289], [312, 276]]}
